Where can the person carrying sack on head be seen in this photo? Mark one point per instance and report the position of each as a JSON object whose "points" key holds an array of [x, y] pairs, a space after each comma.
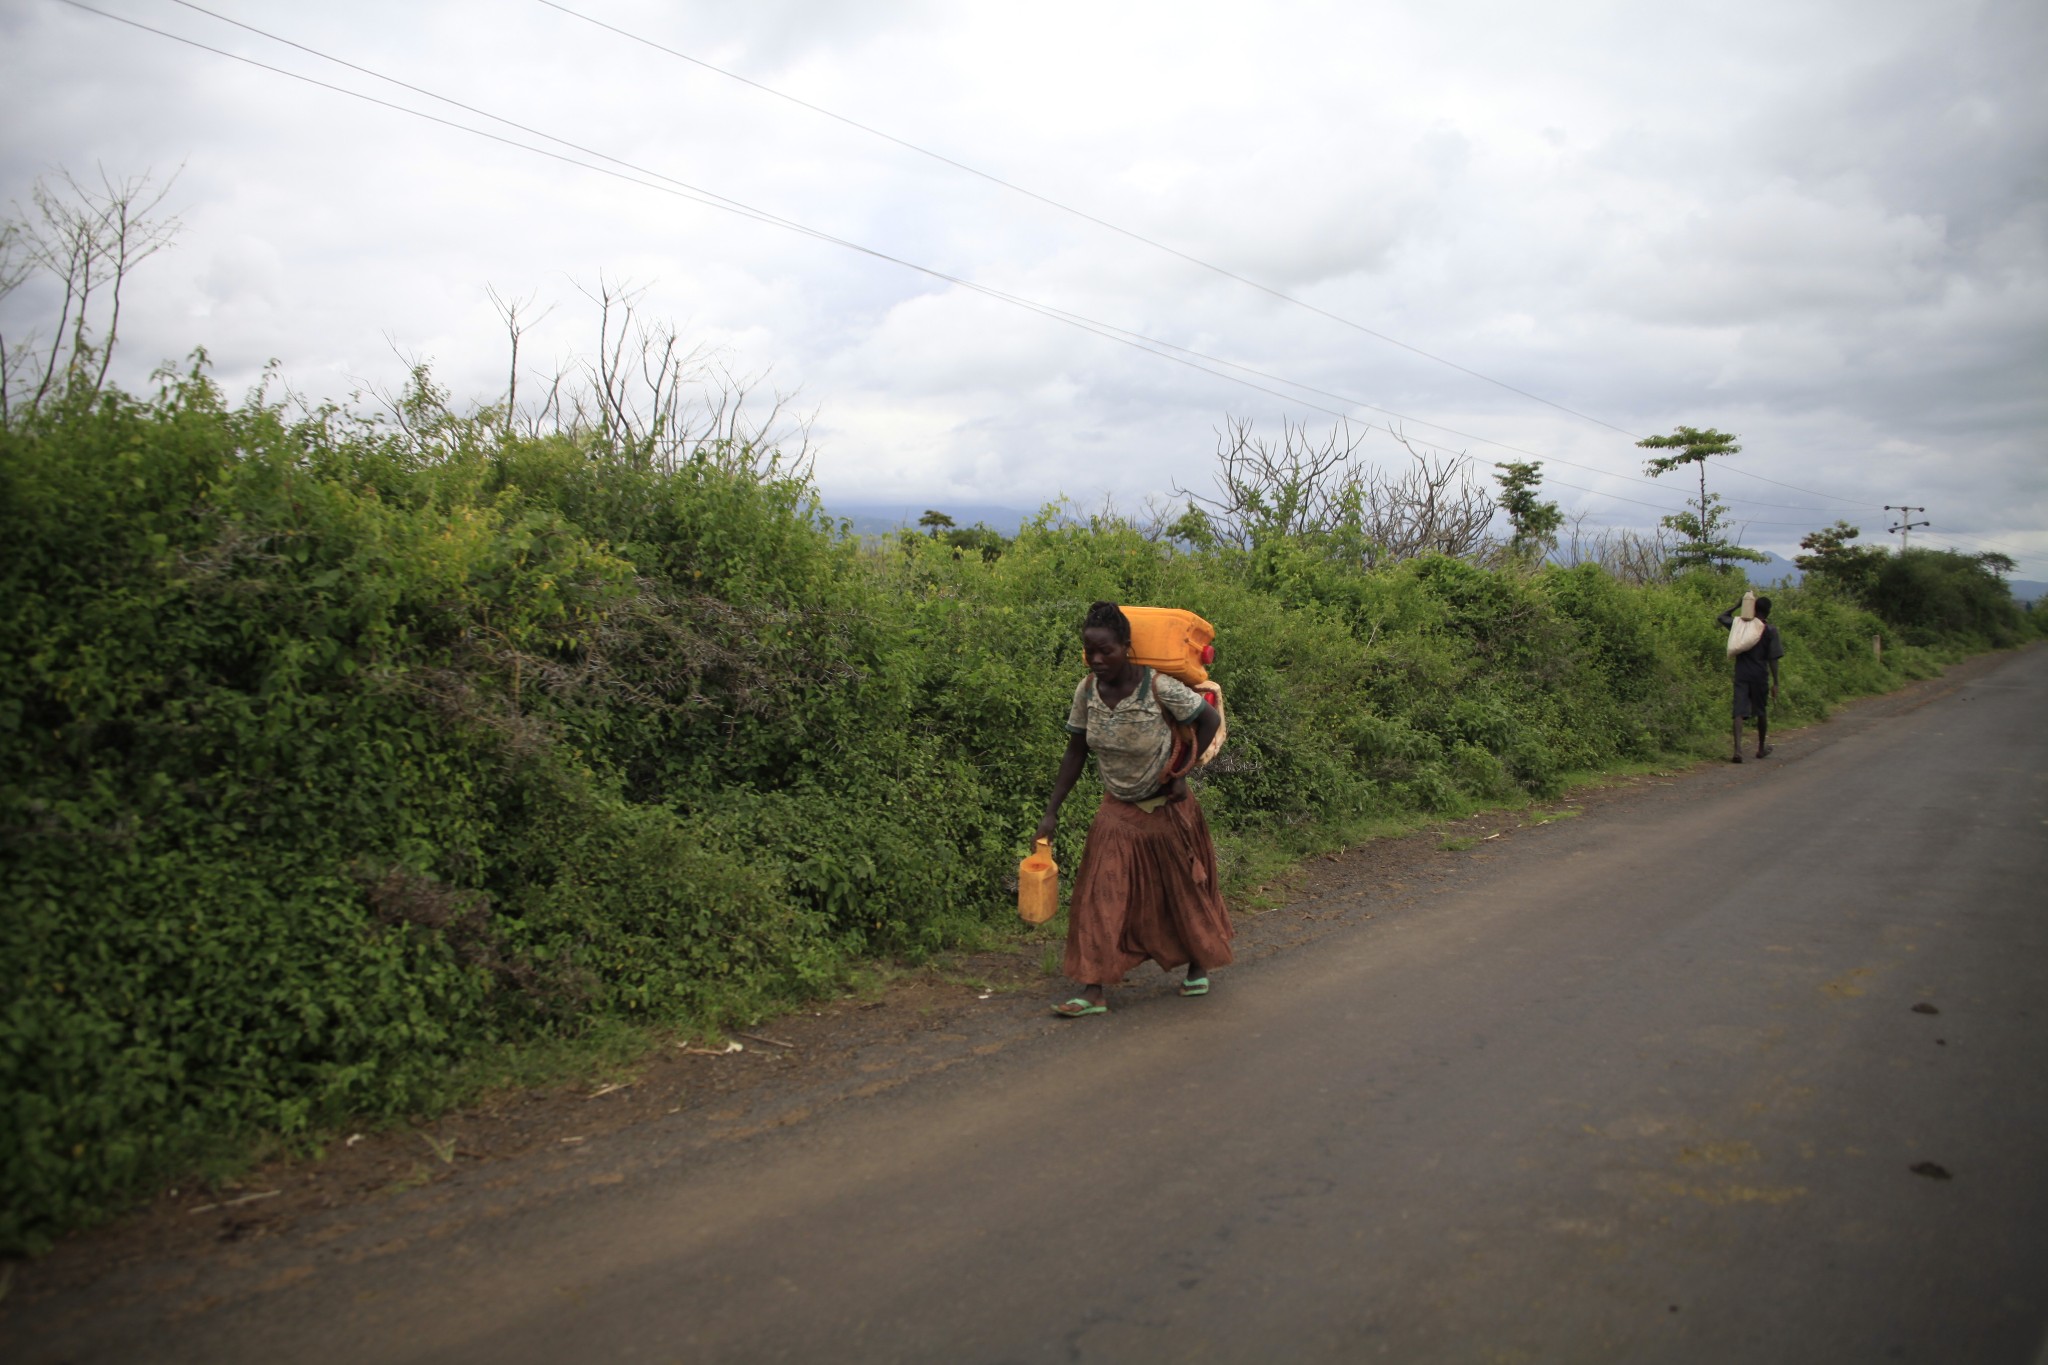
{"points": [[1756, 668]]}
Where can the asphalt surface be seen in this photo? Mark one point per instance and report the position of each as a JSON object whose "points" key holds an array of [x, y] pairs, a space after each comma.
{"points": [[1748, 1067]]}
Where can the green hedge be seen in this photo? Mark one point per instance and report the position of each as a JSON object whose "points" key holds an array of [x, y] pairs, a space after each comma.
{"points": [[337, 754]]}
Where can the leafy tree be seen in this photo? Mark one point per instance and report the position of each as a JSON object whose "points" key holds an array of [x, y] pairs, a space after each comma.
{"points": [[980, 538], [1193, 528], [1997, 563], [1705, 522], [1536, 522], [1935, 596], [1833, 565]]}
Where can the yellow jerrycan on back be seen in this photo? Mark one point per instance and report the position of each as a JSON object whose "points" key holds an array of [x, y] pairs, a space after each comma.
{"points": [[1038, 885], [1174, 641]]}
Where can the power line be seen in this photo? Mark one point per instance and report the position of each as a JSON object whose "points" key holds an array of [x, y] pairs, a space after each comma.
{"points": [[710, 199], [696, 194], [1655, 507], [1049, 310], [1453, 431], [2002, 546], [375, 75], [1171, 251], [591, 151], [1085, 216], [1981, 541], [1812, 492]]}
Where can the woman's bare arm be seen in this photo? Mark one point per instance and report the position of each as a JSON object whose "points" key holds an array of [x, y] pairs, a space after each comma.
{"points": [[1063, 782]]}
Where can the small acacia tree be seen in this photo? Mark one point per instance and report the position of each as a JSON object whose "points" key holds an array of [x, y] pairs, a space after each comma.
{"points": [[1832, 564], [1535, 521], [1704, 523]]}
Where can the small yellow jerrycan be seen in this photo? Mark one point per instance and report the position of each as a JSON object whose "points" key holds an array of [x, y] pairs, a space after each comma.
{"points": [[1038, 885]]}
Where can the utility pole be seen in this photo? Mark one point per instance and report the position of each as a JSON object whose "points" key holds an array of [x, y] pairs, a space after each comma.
{"points": [[1904, 530]]}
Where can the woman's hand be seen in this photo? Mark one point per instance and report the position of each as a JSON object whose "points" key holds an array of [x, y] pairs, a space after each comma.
{"points": [[1047, 827]]}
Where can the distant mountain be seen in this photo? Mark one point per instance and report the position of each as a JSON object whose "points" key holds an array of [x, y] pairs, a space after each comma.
{"points": [[2025, 591], [1776, 571]]}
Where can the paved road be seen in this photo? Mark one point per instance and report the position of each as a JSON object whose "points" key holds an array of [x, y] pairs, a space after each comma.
{"points": [[1648, 1085]]}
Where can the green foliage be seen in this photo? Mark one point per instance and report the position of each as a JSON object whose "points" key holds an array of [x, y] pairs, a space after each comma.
{"points": [[1939, 597], [1706, 544], [1694, 447], [1929, 597], [1535, 521], [346, 755], [1704, 523], [979, 539], [1997, 562], [1833, 565]]}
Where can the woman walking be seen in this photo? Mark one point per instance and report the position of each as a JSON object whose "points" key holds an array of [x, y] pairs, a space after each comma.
{"points": [[1147, 886]]}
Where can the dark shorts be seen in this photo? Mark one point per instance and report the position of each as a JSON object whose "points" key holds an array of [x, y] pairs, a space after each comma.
{"points": [[1751, 698]]}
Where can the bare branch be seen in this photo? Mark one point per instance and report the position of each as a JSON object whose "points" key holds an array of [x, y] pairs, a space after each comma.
{"points": [[665, 402], [135, 238], [512, 311], [1316, 488], [1629, 556], [90, 240], [1267, 490], [1435, 507]]}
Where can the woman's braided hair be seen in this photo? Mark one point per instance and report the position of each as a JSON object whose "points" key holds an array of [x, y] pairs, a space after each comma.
{"points": [[1109, 616]]}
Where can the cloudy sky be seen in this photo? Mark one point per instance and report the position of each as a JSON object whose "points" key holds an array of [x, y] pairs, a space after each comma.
{"points": [[1821, 226]]}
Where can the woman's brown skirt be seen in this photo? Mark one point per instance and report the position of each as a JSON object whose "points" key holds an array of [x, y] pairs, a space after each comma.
{"points": [[1146, 892]]}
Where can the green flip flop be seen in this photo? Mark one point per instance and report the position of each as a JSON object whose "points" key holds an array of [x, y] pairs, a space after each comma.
{"points": [[1078, 1006], [1195, 985]]}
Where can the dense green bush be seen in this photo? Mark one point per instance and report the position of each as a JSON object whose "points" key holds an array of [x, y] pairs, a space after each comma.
{"points": [[338, 751], [1928, 597], [1938, 596]]}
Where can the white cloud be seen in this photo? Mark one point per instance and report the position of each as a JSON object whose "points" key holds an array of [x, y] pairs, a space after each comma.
{"points": [[1824, 226]]}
